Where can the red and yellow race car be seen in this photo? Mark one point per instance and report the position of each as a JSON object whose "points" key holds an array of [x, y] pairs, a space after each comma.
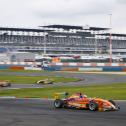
{"points": [[81, 101]]}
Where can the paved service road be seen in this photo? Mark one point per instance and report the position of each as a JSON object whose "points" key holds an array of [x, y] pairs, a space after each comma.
{"points": [[15, 112]]}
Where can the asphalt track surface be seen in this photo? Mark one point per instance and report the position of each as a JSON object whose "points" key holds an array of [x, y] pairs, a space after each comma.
{"points": [[86, 79], [23, 112]]}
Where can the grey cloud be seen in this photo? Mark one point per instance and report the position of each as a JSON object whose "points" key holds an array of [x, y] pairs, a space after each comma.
{"points": [[76, 9], [121, 1], [35, 12]]}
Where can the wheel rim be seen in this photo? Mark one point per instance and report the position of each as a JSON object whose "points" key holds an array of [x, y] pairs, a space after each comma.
{"points": [[92, 106], [57, 104]]}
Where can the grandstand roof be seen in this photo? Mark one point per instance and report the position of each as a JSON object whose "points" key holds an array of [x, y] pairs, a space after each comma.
{"points": [[113, 34], [24, 29], [67, 27], [98, 29], [84, 34]]}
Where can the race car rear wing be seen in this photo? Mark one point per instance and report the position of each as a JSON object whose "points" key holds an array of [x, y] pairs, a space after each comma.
{"points": [[62, 95]]}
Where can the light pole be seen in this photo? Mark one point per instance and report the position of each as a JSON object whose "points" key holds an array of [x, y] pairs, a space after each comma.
{"points": [[110, 39], [96, 45], [45, 40]]}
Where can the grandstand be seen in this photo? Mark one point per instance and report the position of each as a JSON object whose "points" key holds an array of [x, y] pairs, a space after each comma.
{"points": [[62, 39]]}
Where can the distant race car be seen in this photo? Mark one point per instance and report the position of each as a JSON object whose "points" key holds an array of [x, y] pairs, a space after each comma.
{"points": [[81, 101], [45, 81], [5, 84]]}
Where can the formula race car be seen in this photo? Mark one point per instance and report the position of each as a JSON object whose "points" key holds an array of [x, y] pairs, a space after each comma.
{"points": [[5, 83], [80, 101], [45, 81]]}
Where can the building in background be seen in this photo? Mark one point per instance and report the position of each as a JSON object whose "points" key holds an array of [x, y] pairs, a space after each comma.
{"points": [[61, 39], [17, 57]]}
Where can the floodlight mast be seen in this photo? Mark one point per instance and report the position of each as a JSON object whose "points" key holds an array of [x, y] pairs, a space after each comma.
{"points": [[110, 39], [45, 42]]}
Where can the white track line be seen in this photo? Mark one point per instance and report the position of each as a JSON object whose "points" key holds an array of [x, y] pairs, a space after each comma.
{"points": [[13, 97]]}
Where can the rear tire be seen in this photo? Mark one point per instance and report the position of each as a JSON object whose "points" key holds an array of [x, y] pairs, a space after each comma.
{"points": [[58, 103], [93, 106]]}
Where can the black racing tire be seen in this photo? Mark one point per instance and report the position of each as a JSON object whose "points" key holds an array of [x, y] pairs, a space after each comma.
{"points": [[41, 82], [9, 84], [112, 102], [117, 106], [93, 106], [50, 82], [58, 103]]}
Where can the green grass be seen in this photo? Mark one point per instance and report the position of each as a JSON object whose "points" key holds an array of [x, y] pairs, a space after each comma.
{"points": [[110, 91], [25, 71], [34, 79]]}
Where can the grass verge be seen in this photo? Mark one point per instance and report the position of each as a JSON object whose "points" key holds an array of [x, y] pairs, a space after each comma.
{"points": [[110, 91], [24, 71], [34, 79]]}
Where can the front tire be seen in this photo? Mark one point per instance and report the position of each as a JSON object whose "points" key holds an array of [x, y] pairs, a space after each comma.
{"points": [[112, 102], [117, 106], [58, 103]]}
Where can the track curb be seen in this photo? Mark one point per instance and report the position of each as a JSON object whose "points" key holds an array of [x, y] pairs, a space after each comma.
{"points": [[13, 97]]}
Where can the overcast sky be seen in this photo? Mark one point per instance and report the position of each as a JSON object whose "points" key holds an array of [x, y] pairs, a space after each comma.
{"points": [[33, 13]]}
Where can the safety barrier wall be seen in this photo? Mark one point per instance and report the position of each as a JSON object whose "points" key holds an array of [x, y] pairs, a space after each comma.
{"points": [[69, 69], [4, 67], [94, 69], [91, 69], [88, 64], [113, 69], [20, 65], [19, 68], [124, 70], [52, 68], [16, 67], [32, 68], [64, 66]]}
